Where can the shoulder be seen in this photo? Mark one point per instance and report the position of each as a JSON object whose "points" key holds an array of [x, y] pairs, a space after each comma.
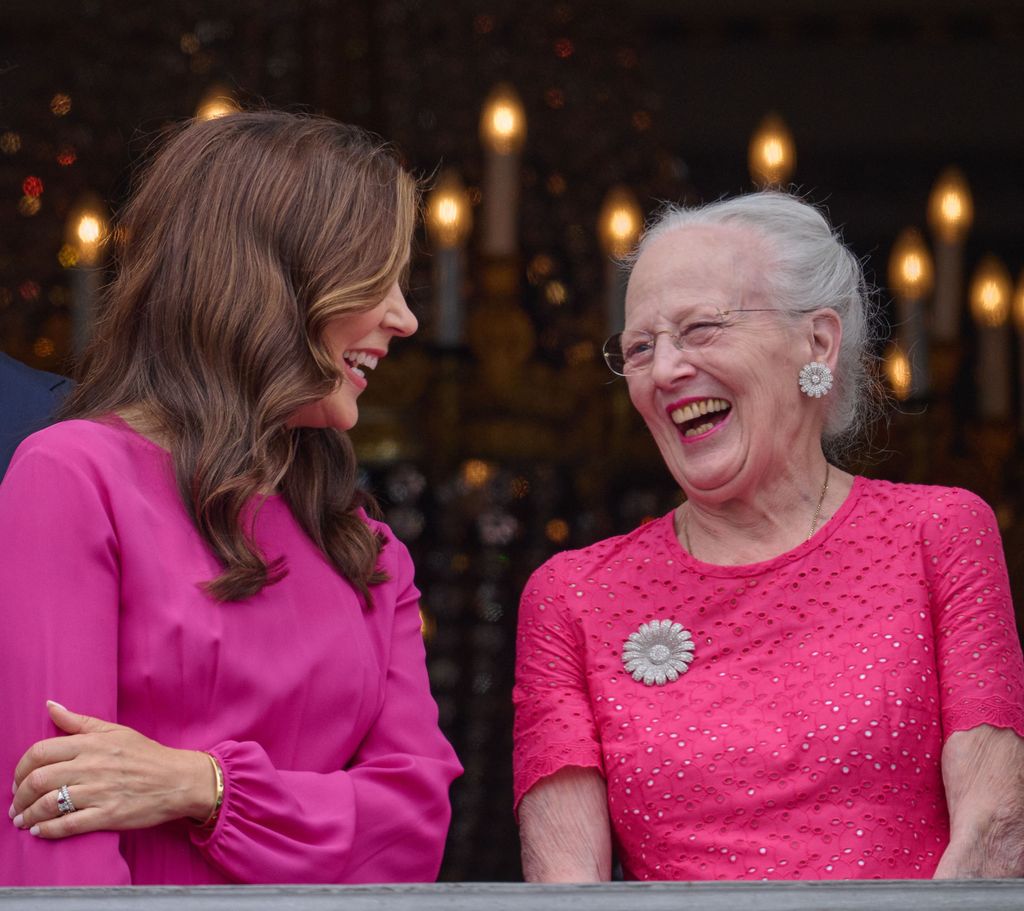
{"points": [[652, 541], [20, 381], [943, 520], [394, 555], [922, 503], [91, 448], [28, 399]]}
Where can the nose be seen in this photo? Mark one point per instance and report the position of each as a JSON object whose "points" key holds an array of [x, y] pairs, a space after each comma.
{"points": [[670, 365], [400, 319]]}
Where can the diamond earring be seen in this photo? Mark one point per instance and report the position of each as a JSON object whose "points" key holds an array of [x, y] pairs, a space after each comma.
{"points": [[815, 379]]}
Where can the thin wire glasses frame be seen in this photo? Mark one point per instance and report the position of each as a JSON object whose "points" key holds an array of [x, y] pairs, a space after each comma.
{"points": [[693, 336]]}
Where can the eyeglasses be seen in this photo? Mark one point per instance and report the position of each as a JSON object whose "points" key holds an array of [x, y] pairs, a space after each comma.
{"points": [[631, 352]]}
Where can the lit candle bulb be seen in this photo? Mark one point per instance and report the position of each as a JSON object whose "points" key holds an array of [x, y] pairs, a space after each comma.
{"points": [[449, 220], [86, 235], [898, 371], [950, 213], [771, 156], [217, 102], [503, 133], [618, 226], [990, 294], [911, 280]]}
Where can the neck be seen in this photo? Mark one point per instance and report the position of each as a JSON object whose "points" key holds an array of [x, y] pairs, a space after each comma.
{"points": [[773, 519], [139, 418]]}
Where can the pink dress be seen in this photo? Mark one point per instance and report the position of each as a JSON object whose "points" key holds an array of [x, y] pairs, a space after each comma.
{"points": [[804, 740], [318, 710]]}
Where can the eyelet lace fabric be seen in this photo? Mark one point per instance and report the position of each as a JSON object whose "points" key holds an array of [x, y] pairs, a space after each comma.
{"points": [[804, 741]]}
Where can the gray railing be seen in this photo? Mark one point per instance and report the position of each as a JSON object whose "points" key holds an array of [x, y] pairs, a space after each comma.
{"points": [[890, 895]]}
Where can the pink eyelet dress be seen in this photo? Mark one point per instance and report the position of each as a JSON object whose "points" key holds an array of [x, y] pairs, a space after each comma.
{"points": [[804, 739]]}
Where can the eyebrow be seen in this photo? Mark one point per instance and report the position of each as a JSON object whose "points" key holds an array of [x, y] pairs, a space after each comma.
{"points": [[692, 316]]}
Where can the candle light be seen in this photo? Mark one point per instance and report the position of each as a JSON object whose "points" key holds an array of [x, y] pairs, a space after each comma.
{"points": [[950, 213], [618, 229], [911, 280], [898, 371], [771, 155], [218, 101], [86, 234], [1017, 312], [990, 295], [503, 133], [449, 220]]}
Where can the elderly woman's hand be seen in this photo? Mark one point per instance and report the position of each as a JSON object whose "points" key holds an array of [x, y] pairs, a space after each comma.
{"points": [[116, 778], [983, 772]]}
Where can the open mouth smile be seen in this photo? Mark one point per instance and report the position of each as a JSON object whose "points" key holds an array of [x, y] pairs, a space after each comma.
{"points": [[358, 362], [697, 417]]}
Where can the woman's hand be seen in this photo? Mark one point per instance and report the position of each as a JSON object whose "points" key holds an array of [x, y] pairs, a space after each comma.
{"points": [[117, 779], [983, 773]]}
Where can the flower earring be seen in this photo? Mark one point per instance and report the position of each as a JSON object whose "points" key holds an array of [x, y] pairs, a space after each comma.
{"points": [[815, 379]]}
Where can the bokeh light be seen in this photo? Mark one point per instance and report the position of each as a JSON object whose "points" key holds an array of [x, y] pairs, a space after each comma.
{"points": [[43, 347], [29, 205], [89, 229], [555, 293], [60, 104], [476, 473], [540, 268], [557, 531], [951, 206], [564, 48], [10, 143], [29, 290], [898, 372], [991, 290]]}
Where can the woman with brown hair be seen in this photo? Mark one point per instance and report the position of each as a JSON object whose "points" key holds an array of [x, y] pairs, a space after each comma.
{"points": [[186, 559]]}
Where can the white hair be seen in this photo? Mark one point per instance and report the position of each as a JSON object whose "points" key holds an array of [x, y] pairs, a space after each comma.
{"points": [[809, 268]]}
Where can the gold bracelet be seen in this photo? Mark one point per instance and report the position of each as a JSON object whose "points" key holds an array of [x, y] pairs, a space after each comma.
{"points": [[211, 820]]}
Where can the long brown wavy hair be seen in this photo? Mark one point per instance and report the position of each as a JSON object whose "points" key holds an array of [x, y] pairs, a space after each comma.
{"points": [[245, 236]]}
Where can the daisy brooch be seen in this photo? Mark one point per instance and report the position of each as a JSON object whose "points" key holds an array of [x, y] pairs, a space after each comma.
{"points": [[658, 652]]}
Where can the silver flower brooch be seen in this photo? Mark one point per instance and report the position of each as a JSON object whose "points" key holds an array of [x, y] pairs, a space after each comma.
{"points": [[658, 652]]}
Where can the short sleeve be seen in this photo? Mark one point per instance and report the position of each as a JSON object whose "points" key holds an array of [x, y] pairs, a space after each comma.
{"points": [[554, 720], [981, 670]]}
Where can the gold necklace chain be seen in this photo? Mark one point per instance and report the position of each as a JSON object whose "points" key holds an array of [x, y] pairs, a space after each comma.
{"points": [[810, 534]]}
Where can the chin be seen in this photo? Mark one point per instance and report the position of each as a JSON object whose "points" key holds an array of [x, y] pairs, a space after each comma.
{"points": [[715, 477], [321, 415]]}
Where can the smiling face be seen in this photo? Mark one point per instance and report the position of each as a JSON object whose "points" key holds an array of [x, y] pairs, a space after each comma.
{"points": [[357, 342], [727, 414]]}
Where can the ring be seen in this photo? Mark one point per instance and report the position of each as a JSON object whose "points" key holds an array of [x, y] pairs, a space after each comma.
{"points": [[64, 802]]}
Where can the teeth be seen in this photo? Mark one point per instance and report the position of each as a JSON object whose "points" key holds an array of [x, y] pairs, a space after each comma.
{"points": [[696, 409], [696, 431], [357, 359]]}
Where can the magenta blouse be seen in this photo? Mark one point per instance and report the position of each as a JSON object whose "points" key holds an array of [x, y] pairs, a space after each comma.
{"points": [[805, 739], [318, 710]]}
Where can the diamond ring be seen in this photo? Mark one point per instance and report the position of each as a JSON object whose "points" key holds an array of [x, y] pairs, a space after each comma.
{"points": [[64, 802]]}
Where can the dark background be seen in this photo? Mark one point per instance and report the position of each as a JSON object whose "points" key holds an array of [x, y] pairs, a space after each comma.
{"points": [[485, 476]]}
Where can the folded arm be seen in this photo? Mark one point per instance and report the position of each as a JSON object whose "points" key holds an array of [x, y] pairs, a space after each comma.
{"points": [[382, 816]]}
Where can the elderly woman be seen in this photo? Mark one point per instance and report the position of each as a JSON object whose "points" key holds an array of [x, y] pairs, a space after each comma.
{"points": [[797, 673]]}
